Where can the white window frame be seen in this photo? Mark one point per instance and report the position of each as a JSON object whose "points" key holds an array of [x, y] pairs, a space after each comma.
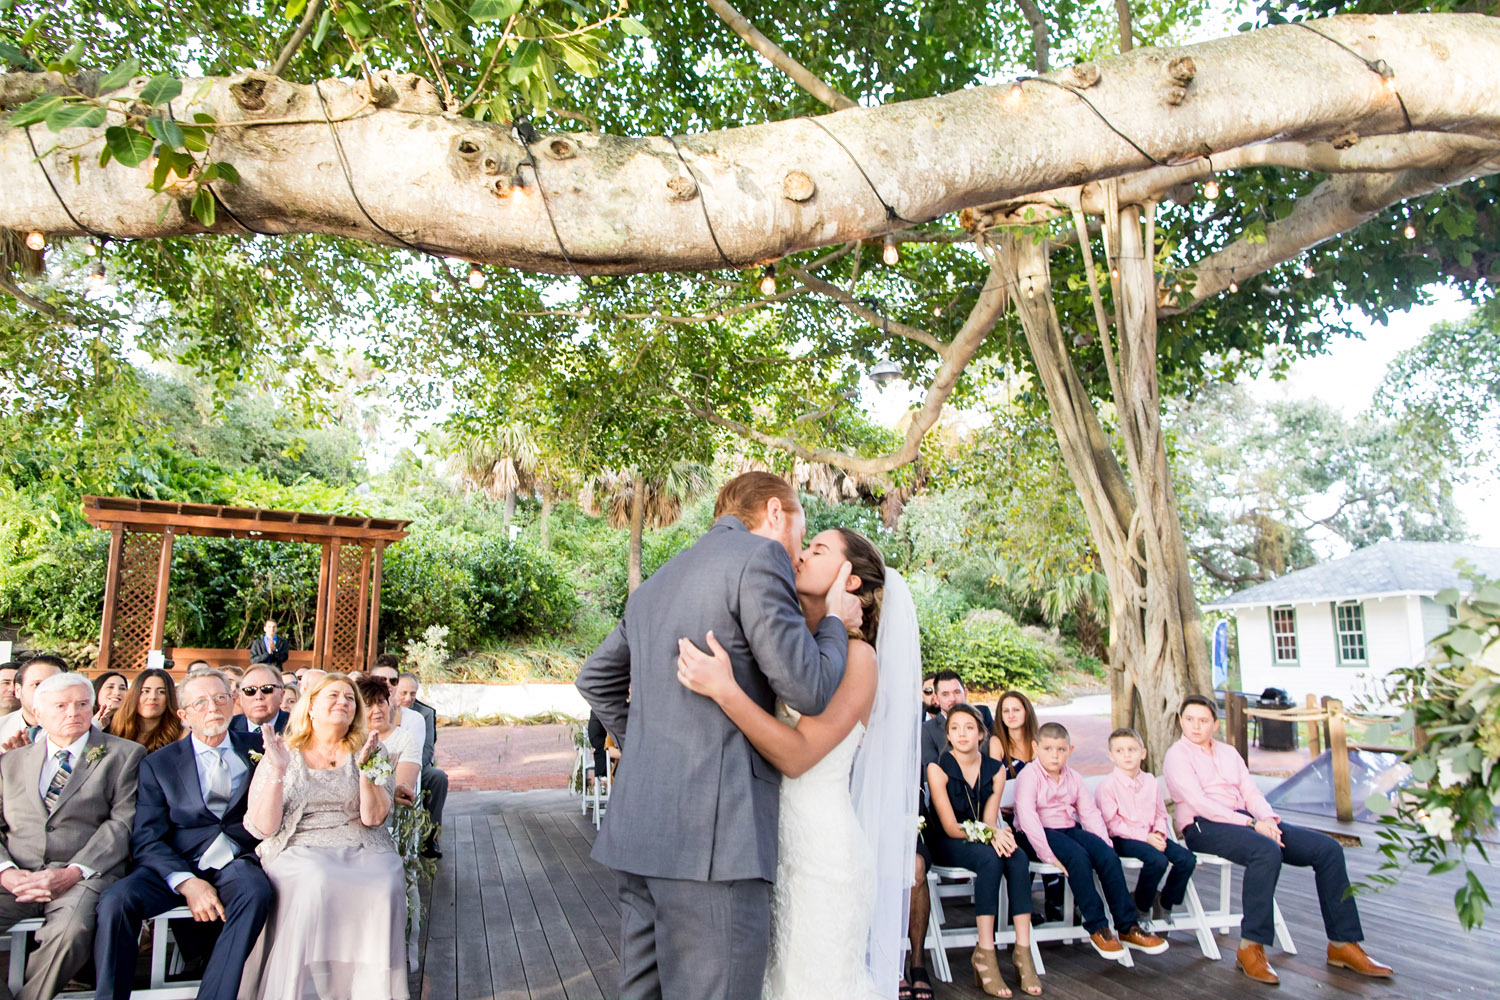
{"points": [[1358, 634], [1276, 657]]}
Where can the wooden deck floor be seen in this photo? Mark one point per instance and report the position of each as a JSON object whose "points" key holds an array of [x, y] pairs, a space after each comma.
{"points": [[520, 912]]}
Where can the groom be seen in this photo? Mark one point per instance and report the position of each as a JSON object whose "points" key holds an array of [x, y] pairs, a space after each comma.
{"points": [[691, 827]]}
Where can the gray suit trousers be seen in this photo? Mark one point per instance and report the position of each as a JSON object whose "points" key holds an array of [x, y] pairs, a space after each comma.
{"points": [[687, 940], [66, 941]]}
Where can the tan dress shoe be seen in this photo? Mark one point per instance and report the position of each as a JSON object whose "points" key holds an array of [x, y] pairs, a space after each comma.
{"points": [[1250, 958], [1350, 955]]}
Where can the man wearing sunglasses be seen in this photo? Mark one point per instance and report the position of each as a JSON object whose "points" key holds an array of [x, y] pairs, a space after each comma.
{"points": [[260, 701]]}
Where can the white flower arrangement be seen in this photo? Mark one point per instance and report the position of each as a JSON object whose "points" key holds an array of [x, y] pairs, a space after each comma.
{"points": [[921, 823], [378, 767], [976, 832]]}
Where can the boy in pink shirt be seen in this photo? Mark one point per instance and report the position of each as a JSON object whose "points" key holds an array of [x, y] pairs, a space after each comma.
{"points": [[1136, 817], [1058, 824]]}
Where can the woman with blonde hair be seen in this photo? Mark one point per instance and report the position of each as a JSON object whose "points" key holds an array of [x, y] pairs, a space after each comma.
{"points": [[319, 801]]}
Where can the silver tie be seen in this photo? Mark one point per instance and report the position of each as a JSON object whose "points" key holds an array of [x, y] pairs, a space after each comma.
{"points": [[220, 788]]}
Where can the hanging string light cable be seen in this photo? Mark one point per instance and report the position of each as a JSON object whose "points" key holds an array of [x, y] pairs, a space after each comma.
{"points": [[703, 204], [523, 128], [1379, 67], [37, 156]]}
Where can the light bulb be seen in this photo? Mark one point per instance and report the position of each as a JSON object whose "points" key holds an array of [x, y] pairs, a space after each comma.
{"points": [[768, 280], [91, 249], [476, 276], [1177, 287], [1016, 93], [1114, 274], [1307, 271], [436, 295], [1234, 286], [1030, 292], [1410, 231], [890, 255], [587, 311], [96, 276], [1390, 84], [267, 273], [937, 310], [1211, 189], [36, 241]]}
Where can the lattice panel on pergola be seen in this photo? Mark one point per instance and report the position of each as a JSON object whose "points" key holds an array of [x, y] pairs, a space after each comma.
{"points": [[343, 648], [130, 643]]}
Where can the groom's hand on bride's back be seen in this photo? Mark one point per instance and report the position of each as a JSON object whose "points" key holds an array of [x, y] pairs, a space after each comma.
{"points": [[843, 605]]}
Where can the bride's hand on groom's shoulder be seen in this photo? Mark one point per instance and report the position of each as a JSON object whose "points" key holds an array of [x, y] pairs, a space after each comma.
{"points": [[843, 604], [709, 674]]}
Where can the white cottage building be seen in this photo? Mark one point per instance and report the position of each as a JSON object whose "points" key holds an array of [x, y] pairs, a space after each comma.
{"points": [[1338, 627]]}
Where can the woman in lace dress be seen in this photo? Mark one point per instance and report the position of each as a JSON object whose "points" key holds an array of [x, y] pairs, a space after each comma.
{"points": [[338, 930], [824, 896]]}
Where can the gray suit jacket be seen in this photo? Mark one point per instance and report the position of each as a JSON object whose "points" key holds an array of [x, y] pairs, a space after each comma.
{"points": [[429, 746], [695, 800], [91, 824]]}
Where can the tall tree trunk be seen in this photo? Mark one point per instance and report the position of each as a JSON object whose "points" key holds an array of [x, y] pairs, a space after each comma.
{"points": [[546, 519], [1156, 649], [510, 507], [637, 529]]}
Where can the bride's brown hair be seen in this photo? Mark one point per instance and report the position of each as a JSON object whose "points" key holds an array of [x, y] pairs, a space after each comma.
{"points": [[865, 562]]}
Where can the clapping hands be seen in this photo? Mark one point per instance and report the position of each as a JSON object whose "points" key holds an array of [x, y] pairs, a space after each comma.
{"points": [[16, 742], [372, 743]]}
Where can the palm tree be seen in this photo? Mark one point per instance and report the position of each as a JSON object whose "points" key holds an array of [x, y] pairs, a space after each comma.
{"points": [[627, 497], [500, 462]]}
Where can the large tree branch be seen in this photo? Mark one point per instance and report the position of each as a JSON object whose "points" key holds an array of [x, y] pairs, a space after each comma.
{"points": [[1336, 206], [1039, 43], [867, 314], [457, 187], [304, 27], [981, 320], [776, 55]]}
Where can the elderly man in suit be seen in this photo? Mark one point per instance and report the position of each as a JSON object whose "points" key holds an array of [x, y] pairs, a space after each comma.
{"points": [[259, 701], [191, 847], [948, 689], [691, 827], [66, 805]]}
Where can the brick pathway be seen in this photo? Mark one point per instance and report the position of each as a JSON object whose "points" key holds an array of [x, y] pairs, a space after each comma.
{"points": [[521, 758]]}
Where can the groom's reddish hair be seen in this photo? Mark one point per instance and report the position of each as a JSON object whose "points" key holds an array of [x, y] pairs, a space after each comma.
{"points": [[745, 496]]}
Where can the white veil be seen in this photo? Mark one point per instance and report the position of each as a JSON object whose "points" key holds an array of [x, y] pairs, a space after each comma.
{"points": [[885, 779]]}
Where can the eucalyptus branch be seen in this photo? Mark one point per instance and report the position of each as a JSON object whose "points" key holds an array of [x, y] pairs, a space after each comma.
{"points": [[800, 75], [304, 27]]}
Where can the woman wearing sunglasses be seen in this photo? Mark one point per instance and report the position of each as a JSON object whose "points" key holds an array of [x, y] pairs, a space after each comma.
{"points": [[260, 701]]}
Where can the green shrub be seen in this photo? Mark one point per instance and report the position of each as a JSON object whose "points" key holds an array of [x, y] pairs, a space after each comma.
{"points": [[987, 649]]}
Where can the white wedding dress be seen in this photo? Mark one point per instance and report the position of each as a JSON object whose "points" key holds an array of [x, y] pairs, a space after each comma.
{"points": [[824, 896]]}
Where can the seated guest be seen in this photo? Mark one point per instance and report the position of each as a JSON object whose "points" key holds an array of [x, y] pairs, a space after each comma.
{"points": [[966, 786], [190, 847], [1060, 825], [338, 928], [598, 737], [259, 701], [66, 806], [1136, 817], [916, 982], [148, 715], [397, 741], [1220, 811], [109, 692], [408, 719], [8, 701], [434, 778], [287, 677], [929, 698], [1014, 740], [21, 726], [289, 695], [948, 688]]}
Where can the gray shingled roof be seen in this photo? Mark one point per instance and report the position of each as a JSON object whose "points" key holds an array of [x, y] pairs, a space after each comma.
{"points": [[1384, 569]]}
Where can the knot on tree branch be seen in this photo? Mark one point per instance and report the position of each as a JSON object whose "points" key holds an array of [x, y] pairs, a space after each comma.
{"points": [[403, 91]]}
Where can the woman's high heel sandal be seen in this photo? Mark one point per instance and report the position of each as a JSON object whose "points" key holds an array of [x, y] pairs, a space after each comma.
{"points": [[987, 972], [1030, 984]]}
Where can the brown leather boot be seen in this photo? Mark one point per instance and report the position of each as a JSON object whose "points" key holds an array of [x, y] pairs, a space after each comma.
{"points": [[1350, 955], [1250, 958]]}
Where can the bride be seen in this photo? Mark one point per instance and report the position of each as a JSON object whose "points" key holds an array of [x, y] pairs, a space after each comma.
{"points": [[845, 848]]}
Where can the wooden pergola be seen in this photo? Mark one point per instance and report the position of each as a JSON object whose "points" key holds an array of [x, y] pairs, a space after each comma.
{"points": [[346, 629]]}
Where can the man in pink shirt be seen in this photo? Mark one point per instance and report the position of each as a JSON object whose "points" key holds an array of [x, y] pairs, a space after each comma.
{"points": [[1058, 824], [1136, 818], [1221, 812]]}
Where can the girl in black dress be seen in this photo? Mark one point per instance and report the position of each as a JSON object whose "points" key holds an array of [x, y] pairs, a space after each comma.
{"points": [[966, 786]]}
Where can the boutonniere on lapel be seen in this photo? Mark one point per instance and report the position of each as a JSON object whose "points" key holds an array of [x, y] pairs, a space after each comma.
{"points": [[255, 756], [96, 753]]}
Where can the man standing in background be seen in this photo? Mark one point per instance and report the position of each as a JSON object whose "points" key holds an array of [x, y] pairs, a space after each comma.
{"points": [[270, 649]]}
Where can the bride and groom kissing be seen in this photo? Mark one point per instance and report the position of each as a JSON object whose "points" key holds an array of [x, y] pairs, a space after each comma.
{"points": [[766, 698]]}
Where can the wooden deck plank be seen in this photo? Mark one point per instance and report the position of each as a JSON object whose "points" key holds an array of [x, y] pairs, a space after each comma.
{"points": [[550, 929], [473, 958]]}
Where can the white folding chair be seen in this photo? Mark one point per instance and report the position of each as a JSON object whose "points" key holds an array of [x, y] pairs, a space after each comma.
{"points": [[165, 959]]}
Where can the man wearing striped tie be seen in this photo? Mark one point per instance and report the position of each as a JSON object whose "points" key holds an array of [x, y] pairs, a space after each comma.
{"points": [[67, 802]]}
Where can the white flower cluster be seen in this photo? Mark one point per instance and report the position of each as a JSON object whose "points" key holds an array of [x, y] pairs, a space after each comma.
{"points": [[378, 768], [1438, 822], [976, 832]]}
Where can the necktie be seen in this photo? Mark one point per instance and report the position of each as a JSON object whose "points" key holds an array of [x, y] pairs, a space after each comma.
{"points": [[219, 786], [59, 779], [216, 797]]}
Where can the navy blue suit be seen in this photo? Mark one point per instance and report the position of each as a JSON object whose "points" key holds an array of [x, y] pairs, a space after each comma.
{"points": [[173, 829], [239, 724]]}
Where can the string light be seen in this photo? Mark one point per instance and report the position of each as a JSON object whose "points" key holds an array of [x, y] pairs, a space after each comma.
{"points": [[436, 295], [91, 250], [937, 310], [1211, 189], [768, 280], [1114, 274], [1234, 286], [1410, 231], [587, 311], [476, 277], [96, 276], [1307, 271], [1177, 288], [1030, 292], [890, 255], [36, 241], [267, 273], [1016, 93]]}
